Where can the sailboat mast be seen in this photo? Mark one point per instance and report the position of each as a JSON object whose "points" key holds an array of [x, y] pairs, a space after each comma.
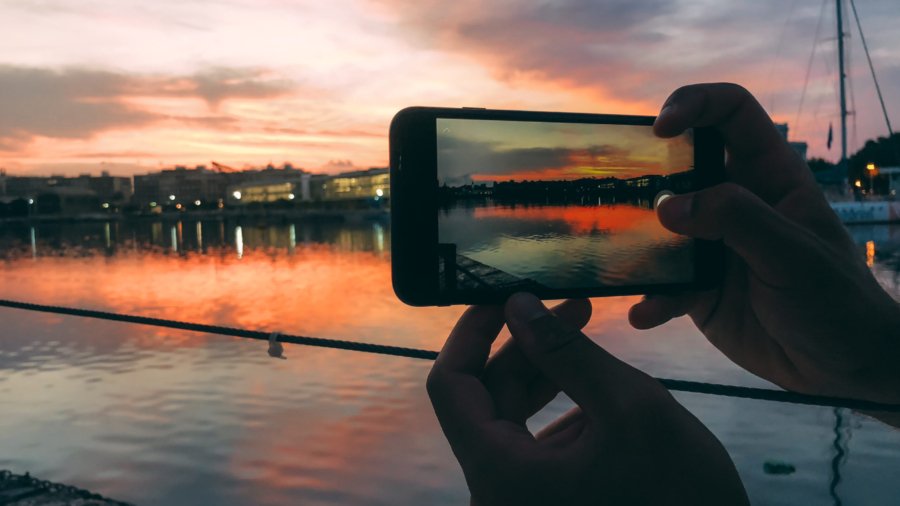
{"points": [[843, 77]]}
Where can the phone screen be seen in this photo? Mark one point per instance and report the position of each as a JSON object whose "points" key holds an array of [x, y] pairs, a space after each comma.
{"points": [[528, 205]]}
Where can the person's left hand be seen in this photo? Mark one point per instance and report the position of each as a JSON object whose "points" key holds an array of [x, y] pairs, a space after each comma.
{"points": [[626, 442]]}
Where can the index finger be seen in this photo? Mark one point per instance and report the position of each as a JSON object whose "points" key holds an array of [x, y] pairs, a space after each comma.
{"points": [[731, 109], [747, 130], [460, 399]]}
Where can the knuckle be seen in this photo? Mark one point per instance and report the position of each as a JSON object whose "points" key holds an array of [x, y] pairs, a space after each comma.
{"points": [[737, 89], [726, 199], [556, 335]]}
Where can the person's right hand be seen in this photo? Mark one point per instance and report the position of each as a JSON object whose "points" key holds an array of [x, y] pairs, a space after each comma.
{"points": [[798, 306]]}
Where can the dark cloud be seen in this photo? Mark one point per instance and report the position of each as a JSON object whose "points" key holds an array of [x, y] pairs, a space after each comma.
{"points": [[77, 103], [213, 122], [642, 49], [217, 84], [460, 159], [67, 104]]}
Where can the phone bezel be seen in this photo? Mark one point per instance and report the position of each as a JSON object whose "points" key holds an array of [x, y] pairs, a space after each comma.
{"points": [[414, 211]]}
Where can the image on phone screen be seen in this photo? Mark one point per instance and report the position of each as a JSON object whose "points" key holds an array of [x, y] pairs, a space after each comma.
{"points": [[540, 205]]}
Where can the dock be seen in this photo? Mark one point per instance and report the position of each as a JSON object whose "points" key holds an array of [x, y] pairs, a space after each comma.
{"points": [[466, 274], [26, 490]]}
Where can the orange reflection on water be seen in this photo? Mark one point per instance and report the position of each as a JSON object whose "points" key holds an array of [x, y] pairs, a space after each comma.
{"points": [[314, 422], [318, 290], [582, 219]]}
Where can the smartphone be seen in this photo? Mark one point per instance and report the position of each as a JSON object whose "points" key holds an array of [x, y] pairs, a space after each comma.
{"points": [[486, 203]]}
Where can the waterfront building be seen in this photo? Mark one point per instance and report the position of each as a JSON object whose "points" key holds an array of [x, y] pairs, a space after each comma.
{"points": [[66, 201], [25, 186], [114, 190], [111, 189], [373, 184], [179, 185], [269, 191], [183, 185]]}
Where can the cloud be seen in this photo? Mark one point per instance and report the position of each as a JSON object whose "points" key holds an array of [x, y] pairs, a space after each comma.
{"points": [[217, 84], [461, 161], [638, 51], [78, 103], [582, 42], [66, 104]]}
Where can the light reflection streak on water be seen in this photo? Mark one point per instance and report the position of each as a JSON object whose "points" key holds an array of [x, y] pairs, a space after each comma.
{"points": [[292, 237], [239, 241], [379, 237]]}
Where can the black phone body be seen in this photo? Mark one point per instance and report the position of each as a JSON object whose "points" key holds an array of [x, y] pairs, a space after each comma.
{"points": [[485, 203]]}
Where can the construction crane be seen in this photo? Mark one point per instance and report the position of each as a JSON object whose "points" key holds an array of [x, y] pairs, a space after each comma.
{"points": [[221, 168]]}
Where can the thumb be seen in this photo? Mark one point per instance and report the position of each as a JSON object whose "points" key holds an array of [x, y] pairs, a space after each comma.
{"points": [[771, 245], [587, 373]]}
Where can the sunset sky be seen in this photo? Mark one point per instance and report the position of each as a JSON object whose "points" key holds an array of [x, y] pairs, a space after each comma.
{"points": [[132, 86], [481, 151]]}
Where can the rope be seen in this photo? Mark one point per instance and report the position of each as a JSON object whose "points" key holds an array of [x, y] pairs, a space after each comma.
{"points": [[763, 394], [865, 46]]}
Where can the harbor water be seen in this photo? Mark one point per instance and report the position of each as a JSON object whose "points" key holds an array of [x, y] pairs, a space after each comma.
{"points": [[155, 416], [568, 246]]}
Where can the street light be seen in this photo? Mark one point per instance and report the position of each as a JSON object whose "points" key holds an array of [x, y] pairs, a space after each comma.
{"points": [[236, 194], [171, 197], [871, 169]]}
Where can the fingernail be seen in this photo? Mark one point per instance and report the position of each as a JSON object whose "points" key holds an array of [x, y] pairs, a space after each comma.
{"points": [[536, 327], [525, 307], [676, 209], [667, 110]]}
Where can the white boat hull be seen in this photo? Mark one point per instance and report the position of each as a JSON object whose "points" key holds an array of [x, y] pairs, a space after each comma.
{"points": [[883, 211]]}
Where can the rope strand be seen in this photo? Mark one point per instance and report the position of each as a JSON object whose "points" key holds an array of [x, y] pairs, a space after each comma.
{"points": [[763, 394]]}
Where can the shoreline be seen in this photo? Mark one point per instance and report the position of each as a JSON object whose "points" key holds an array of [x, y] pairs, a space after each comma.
{"points": [[346, 215]]}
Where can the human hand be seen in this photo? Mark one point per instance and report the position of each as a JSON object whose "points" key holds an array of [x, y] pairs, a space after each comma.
{"points": [[797, 306], [626, 442]]}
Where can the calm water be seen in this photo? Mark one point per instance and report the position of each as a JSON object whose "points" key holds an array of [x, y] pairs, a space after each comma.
{"points": [[570, 246], [161, 417]]}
